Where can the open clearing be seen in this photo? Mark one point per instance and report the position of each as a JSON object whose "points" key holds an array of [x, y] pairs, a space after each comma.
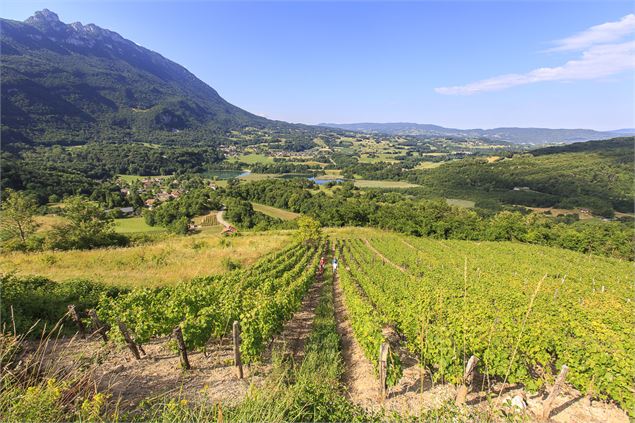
{"points": [[132, 178], [468, 204], [275, 212], [47, 222], [248, 178], [367, 183], [251, 158], [169, 261], [135, 225]]}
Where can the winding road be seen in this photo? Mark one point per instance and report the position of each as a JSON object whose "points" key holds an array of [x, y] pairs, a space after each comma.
{"points": [[221, 220]]}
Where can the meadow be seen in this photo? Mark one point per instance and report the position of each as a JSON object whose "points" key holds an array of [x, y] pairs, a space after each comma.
{"points": [[251, 158], [275, 212], [135, 225], [364, 183], [169, 261]]}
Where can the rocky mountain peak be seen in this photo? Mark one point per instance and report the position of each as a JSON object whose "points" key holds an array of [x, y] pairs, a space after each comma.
{"points": [[43, 15]]}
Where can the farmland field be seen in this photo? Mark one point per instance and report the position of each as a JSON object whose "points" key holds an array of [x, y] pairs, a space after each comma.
{"points": [[435, 302], [363, 183], [252, 158], [523, 310], [275, 212]]}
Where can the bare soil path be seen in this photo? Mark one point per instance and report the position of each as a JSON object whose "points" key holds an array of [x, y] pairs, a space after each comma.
{"points": [[213, 376], [296, 331], [220, 218], [359, 375]]}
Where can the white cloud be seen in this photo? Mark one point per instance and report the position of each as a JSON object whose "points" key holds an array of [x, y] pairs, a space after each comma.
{"points": [[599, 59], [597, 62], [603, 33]]}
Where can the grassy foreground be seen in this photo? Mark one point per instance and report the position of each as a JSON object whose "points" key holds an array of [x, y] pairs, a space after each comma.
{"points": [[168, 261]]}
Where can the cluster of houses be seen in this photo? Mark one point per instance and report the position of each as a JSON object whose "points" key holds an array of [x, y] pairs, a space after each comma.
{"points": [[154, 191]]}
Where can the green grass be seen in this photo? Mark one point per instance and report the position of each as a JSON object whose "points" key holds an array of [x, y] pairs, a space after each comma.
{"points": [[135, 224], [275, 212], [251, 158], [248, 178], [460, 203], [132, 178], [365, 183], [428, 165]]}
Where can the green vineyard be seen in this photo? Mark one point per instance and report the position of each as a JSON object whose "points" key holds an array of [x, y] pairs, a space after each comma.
{"points": [[261, 298], [524, 311]]}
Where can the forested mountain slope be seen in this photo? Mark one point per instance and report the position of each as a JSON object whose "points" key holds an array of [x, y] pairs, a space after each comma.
{"points": [[69, 83]]}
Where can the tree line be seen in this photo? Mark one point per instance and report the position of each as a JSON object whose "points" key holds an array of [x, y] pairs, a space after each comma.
{"points": [[348, 206]]}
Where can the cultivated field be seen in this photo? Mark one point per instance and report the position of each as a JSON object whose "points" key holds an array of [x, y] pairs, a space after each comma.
{"points": [[365, 183], [523, 311], [275, 212]]}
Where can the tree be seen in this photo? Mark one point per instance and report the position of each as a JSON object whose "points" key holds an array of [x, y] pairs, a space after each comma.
{"points": [[88, 226], [309, 230], [18, 216]]}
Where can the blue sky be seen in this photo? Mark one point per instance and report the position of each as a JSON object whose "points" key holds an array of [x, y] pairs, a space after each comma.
{"points": [[447, 63]]}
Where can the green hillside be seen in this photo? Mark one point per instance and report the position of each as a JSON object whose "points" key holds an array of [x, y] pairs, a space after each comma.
{"points": [[74, 83], [597, 175]]}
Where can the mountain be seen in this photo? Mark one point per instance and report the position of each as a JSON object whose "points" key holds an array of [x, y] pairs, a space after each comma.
{"points": [[624, 131], [72, 83], [513, 135]]}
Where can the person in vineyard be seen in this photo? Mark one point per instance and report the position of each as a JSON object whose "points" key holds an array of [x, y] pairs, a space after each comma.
{"points": [[334, 264]]}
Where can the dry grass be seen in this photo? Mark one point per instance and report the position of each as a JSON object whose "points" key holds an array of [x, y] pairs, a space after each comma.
{"points": [[275, 212], [460, 203], [47, 222], [168, 261], [366, 183]]}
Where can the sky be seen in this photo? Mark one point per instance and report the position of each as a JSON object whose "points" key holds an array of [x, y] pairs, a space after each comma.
{"points": [[460, 64]]}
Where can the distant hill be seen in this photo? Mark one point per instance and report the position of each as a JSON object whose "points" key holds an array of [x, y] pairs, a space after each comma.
{"points": [[67, 83], [622, 147], [624, 131], [513, 135], [598, 175]]}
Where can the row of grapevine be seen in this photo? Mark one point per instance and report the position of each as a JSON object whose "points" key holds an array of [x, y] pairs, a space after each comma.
{"points": [[523, 310], [261, 298], [366, 320]]}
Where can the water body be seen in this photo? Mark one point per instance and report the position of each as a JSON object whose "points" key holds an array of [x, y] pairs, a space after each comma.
{"points": [[325, 181]]}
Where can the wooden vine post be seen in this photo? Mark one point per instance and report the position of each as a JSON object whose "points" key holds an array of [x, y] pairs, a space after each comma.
{"points": [[98, 326], [75, 318], [126, 336], [383, 370], [237, 361], [178, 334], [461, 394], [557, 386]]}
